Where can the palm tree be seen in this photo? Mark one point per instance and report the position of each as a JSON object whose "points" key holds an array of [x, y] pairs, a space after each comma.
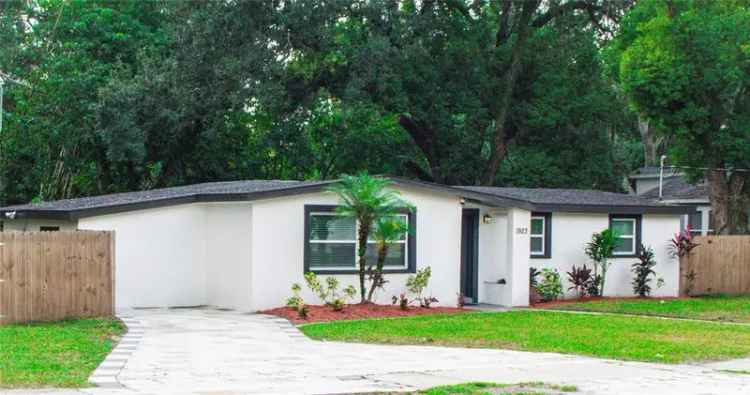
{"points": [[365, 198], [386, 231]]}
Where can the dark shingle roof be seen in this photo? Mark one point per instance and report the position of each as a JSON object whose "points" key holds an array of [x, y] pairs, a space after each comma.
{"points": [[212, 191], [532, 199], [679, 189], [582, 198]]}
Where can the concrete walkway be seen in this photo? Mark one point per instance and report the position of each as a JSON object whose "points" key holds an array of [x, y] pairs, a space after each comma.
{"points": [[205, 351]]}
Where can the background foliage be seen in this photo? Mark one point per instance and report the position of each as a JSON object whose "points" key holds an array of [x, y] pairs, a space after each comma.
{"points": [[135, 95]]}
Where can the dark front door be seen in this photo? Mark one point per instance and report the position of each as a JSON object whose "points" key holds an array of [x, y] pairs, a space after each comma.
{"points": [[469, 256]]}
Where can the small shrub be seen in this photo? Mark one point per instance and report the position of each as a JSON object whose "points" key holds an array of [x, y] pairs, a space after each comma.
{"points": [[643, 270], [415, 285], [295, 300], [581, 280], [550, 286], [402, 300], [427, 301], [595, 285], [330, 293], [302, 310], [338, 305]]}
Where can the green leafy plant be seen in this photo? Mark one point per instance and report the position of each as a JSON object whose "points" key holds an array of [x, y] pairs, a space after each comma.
{"points": [[533, 282], [550, 286], [581, 279], [386, 231], [295, 300], [366, 199], [643, 271], [600, 249], [303, 310], [329, 292], [402, 300], [415, 286], [595, 285]]}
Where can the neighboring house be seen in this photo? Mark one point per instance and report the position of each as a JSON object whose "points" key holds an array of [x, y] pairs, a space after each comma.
{"points": [[676, 190], [242, 244]]}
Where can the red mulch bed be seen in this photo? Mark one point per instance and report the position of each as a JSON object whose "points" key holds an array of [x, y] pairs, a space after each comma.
{"points": [[554, 303], [318, 313]]}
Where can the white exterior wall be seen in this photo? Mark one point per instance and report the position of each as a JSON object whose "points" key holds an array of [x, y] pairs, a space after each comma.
{"points": [[519, 247], [278, 248], [158, 255], [33, 225], [228, 254], [571, 232]]}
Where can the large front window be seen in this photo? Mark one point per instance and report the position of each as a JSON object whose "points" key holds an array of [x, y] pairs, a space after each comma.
{"points": [[331, 243]]}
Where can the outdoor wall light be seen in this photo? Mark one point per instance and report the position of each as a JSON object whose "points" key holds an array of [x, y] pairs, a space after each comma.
{"points": [[487, 219]]}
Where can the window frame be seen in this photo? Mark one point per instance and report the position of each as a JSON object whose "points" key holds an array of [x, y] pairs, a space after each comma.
{"points": [[637, 219], [410, 243], [546, 236]]}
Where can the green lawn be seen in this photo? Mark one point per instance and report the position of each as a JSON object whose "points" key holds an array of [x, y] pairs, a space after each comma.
{"points": [[480, 388], [605, 336], [713, 308], [55, 354], [499, 389]]}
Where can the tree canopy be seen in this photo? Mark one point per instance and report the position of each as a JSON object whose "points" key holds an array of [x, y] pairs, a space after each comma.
{"points": [[686, 66], [135, 95]]}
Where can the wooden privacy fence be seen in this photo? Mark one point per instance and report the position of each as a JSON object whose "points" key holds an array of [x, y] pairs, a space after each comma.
{"points": [[55, 275], [721, 265]]}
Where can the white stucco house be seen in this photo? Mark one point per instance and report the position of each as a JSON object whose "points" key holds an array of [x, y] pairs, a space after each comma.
{"points": [[241, 244]]}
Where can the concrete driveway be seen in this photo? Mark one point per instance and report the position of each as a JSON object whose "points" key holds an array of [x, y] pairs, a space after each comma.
{"points": [[206, 351]]}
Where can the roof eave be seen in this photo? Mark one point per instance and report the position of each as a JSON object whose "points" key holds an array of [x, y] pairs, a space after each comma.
{"points": [[613, 209]]}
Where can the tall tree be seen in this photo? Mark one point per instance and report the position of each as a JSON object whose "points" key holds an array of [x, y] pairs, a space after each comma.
{"points": [[686, 64], [67, 52], [452, 72]]}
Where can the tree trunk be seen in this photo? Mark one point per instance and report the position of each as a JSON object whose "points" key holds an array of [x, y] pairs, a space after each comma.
{"points": [[728, 202], [501, 139], [424, 138], [362, 234], [650, 145], [377, 277]]}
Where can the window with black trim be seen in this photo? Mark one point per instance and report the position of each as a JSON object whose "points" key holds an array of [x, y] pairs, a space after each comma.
{"points": [[331, 243], [540, 235], [628, 229]]}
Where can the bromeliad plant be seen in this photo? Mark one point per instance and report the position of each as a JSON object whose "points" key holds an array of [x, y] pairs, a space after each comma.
{"points": [[600, 249], [643, 271], [366, 199]]}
